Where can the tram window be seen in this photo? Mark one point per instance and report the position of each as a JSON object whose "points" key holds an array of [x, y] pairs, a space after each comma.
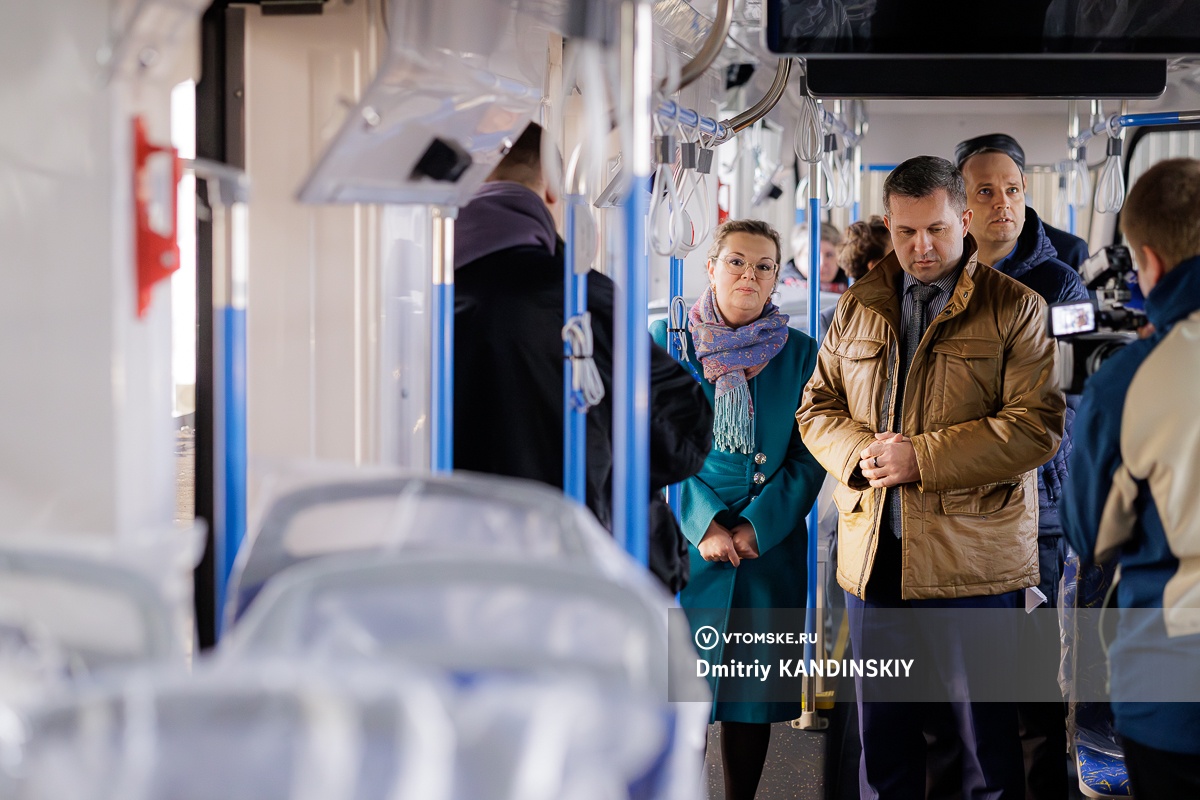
{"points": [[1159, 145]]}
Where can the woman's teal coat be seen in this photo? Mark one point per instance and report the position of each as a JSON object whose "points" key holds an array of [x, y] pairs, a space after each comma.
{"points": [[725, 489]]}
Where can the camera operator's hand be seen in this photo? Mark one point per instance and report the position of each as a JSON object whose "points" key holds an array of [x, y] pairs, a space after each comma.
{"points": [[1146, 331]]}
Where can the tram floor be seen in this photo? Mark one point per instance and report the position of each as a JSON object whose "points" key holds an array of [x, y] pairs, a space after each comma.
{"points": [[801, 765], [815, 765]]}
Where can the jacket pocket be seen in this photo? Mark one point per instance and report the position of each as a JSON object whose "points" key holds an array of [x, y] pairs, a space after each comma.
{"points": [[847, 500], [978, 501], [966, 379], [862, 365]]}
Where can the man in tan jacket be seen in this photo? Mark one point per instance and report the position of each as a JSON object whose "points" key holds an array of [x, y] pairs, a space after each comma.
{"points": [[933, 403]]}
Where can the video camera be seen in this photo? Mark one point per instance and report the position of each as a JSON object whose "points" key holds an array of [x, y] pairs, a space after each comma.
{"points": [[1090, 331]]}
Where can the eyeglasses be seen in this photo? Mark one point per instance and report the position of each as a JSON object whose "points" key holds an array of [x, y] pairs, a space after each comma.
{"points": [[736, 265]]}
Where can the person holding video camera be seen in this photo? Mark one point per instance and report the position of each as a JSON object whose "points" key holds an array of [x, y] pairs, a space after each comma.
{"points": [[1131, 491]]}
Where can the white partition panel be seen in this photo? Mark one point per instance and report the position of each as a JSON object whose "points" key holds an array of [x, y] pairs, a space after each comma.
{"points": [[86, 399]]}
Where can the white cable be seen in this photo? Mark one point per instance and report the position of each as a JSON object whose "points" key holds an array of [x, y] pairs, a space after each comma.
{"points": [[697, 187], [1081, 182], [587, 389], [666, 198], [829, 174], [692, 179], [845, 181], [677, 326], [1110, 189], [807, 141]]}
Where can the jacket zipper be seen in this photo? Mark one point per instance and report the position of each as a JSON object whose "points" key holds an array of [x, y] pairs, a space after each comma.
{"points": [[889, 392]]}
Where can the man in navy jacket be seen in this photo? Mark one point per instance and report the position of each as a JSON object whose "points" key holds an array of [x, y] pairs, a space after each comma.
{"points": [[1013, 240], [1070, 249], [1131, 494]]}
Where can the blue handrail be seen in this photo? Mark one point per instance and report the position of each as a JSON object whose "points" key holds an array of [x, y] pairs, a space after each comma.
{"points": [[673, 342], [229, 323], [574, 417], [1118, 121], [441, 418], [631, 368], [814, 318], [672, 111]]}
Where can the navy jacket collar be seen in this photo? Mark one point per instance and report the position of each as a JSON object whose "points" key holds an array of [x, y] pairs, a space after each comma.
{"points": [[1175, 296], [1033, 247]]}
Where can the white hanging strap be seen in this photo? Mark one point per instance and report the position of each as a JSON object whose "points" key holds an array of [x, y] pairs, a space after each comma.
{"points": [[808, 142], [688, 177], [1110, 189], [587, 389], [677, 326]]}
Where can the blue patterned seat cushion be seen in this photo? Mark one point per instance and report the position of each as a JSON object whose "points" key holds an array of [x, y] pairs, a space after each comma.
{"points": [[1101, 774]]}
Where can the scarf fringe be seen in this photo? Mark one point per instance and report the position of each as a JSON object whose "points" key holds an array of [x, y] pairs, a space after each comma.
{"points": [[733, 427]]}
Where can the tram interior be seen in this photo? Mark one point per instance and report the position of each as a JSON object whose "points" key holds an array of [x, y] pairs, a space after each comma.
{"points": [[225, 383]]}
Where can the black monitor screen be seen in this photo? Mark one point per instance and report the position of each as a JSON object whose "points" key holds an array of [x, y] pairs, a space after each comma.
{"points": [[816, 28]]}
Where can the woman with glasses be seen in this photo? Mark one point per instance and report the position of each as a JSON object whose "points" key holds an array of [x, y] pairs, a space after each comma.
{"points": [[744, 512]]}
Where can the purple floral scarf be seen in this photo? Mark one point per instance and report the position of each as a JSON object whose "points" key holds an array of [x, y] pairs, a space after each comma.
{"points": [[731, 357]]}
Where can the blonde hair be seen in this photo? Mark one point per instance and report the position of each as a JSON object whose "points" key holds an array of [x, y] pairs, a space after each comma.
{"points": [[755, 227]]}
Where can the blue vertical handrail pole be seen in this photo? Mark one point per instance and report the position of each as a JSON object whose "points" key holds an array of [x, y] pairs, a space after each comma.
{"points": [[441, 406], [574, 419], [631, 356], [1071, 218], [631, 411], [673, 342], [234, 390], [814, 314], [229, 188]]}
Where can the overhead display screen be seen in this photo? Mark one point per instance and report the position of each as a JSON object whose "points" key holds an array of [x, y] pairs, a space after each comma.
{"points": [[833, 28]]}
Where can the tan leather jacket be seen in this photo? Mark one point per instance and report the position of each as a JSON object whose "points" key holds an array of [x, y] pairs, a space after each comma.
{"points": [[983, 408]]}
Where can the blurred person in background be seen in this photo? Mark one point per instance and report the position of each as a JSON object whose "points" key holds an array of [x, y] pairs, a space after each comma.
{"points": [[833, 279], [865, 245]]}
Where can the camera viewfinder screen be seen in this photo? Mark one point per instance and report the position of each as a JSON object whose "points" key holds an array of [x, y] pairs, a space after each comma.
{"points": [[1071, 318]]}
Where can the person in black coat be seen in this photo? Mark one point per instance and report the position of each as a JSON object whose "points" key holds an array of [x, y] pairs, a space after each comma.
{"points": [[508, 358]]}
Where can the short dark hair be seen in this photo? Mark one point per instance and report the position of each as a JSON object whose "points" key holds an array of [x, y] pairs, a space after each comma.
{"points": [[1163, 211], [922, 176], [523, 162], [752, 226], [866, 241], [990, 143]]}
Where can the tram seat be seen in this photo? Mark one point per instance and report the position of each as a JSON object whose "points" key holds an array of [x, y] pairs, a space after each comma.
{"points": [[65, 616], [328, 509], [267, 730], [498, 618], [1101, 774], [1099, 762]]}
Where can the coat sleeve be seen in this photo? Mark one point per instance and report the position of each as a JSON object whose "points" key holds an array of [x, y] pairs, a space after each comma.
{"points": [[832, 436], [1095, 461], [681, 421], [1022, 435], [700, 506], [787, 497]]}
